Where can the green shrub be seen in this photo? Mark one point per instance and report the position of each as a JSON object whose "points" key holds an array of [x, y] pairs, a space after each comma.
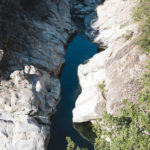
{"points": [[131, 129], [128, 35], [142, 14], [102, 89], [71, 145]]}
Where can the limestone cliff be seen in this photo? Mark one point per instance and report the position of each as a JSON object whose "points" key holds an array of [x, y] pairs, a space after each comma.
{"points": [[112, 75], [33, 34]]}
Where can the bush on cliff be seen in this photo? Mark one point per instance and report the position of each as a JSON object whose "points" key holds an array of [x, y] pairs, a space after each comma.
{"points": [[128, 131], [142, 14], [131, 129], [72, 146]]}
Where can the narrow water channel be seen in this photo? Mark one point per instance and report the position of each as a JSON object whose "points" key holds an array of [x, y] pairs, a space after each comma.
{"points": [[79, 50]]}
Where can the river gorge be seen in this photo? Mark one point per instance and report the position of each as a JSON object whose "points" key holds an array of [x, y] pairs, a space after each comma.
{"points": [[48, 81], [78, 51]]}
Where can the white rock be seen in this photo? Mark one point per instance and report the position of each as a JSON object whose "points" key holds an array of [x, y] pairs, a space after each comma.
{"points": [[114, 20], [90, 105], [118, 67], [28, 97]]}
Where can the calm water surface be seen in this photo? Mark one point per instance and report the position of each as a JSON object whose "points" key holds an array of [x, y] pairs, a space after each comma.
{"points": [[79, 50]]}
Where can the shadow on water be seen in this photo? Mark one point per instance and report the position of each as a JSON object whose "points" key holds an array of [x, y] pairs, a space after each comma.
{"points": [[79, 50], [85, 130]]}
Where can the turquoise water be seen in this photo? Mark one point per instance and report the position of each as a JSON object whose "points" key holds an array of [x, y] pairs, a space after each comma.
{"points": [[79, 50]]}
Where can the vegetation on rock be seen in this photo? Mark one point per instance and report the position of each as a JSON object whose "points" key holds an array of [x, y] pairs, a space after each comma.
{"points": [[128, 131], [131, 129], [128, 35], [142, 14], [102, 89], [72, 146]]}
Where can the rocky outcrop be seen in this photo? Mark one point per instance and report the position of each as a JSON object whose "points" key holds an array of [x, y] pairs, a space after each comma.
{"points": [[84, 11], [112, 75], [33, 34], [81, 8]]}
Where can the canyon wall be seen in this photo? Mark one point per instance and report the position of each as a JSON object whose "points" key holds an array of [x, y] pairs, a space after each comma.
{"points": [[111, 75], [33, 34]]}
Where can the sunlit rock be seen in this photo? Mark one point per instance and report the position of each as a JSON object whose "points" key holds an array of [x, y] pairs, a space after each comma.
{"points": [[117, 69], [33, 35]]}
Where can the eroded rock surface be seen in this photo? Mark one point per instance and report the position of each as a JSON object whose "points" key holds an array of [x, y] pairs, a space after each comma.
{"points": [[112, 75], [84, 11], [33, 34]]}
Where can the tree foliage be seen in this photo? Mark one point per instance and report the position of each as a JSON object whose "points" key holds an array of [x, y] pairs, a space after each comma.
{"points": [[72, 146]]}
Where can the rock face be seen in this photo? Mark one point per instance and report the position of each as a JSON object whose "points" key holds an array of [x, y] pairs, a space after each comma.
{"points": [[112, 75], [33, 34], [84, 11], [85, 7]]}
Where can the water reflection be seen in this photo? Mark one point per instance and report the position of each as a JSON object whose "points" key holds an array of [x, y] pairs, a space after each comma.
{"points": [[85, 130]]}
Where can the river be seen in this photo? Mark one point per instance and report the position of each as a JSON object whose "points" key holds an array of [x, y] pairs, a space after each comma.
{"points": [[77, 52]]}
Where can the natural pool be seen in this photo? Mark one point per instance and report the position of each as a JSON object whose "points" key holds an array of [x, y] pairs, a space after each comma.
{"points": [[78, 51]]}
